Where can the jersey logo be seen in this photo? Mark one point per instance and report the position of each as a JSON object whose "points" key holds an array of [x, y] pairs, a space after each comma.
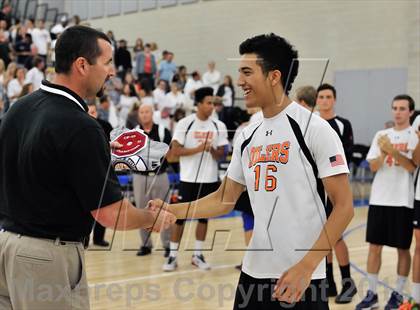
{"points": [[275, 153], [268, 132], [336, 160]]}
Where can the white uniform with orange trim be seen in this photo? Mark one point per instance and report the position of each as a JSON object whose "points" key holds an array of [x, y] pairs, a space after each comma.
{"points": [[281, 161]]}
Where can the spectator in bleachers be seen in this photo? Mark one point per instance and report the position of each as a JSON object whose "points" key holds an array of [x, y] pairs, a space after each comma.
{"points": [[6, 14], [127, 100], [155, 51], [111, 37], [212, 77], [5, 52], [146, 67], [146, 92], [59, 27], [29, 25], [138, 47], [113, 87], [17, 32], [227, 92], [159, 94], [122, 59], [10, 74], [24, 52], [103, 110], [75, 20], [14, 88], [41, 39], [36, 74], [2, 71], [181, 77], [193, 83], [175, 99], [4, 28], [167, 68]]}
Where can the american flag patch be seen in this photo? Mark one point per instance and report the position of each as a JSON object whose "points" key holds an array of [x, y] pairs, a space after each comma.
{"points": [[336, 160]]}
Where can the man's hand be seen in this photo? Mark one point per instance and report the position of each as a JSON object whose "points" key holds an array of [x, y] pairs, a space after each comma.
{"points": [[157, 204], [385, 145], [293, 283], [163, 220], [204, 147]]}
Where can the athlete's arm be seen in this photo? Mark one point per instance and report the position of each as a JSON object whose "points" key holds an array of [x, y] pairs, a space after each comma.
{"points": [[217, 153], [376, 164], [220, 202], [416, 152], [180, 150], [298, 278], [386, 146]]}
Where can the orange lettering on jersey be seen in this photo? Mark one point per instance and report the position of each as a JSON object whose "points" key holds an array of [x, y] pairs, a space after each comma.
{"points": [[277, 153], [402, 147], [203, 135]]}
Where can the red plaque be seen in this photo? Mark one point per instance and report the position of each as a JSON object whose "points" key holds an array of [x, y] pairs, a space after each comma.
{"points": [[132, 141]]}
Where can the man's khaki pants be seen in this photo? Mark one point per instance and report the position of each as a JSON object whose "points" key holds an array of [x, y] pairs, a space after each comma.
{"points": [[41, 274]]}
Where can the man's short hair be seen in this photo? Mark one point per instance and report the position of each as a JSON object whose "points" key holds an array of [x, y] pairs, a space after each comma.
{"points": [[75, 42], [411, 103], [202, 93], [274, 53], [307, 94], [327, 86]]}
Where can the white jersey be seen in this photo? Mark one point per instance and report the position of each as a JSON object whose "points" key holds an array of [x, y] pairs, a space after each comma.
{"points": [[415, 127], [191, 132], [393, 185], [281, 161]]}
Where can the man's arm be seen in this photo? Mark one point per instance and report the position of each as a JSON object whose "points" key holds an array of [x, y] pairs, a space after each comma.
{"points": [[294, 282], [386, 146], [179, 150], [416, 152], [122, 215], [220, 202], [217, 153]]}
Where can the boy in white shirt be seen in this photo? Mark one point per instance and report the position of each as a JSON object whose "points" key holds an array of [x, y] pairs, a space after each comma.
{"points": [[199, 141], [391, 201]]}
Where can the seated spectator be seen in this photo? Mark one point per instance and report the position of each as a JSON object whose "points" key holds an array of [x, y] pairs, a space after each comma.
{"points": [[175, 99], [127, 100], [159, 94], [103, 110], [26, 89], [36, 74], [14, 88]]}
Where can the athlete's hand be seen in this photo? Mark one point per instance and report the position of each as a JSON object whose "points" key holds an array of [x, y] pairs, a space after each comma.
{"points": [[385, 144], [157, 204], [204, 147], [293, 283]]}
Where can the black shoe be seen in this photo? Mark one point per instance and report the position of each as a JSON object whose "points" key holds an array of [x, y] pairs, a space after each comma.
{"points": [[101, 243], [144, 250], [166, 252], [331, 289], [347, 293]]}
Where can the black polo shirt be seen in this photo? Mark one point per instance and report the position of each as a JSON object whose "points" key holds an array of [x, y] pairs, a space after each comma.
{"points": [[54, 165]]}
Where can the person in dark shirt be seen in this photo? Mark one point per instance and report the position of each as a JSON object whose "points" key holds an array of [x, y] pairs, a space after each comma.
{"points": [[23, 51], [56, 178], [99, 230], [326, 99], [123, 59]]}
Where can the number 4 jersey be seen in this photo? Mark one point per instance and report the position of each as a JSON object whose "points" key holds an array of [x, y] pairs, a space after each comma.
{"points": [[393, 185], [282, 160]]}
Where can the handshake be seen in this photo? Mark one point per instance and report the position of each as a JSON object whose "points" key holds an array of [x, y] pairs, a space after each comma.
{"points": [[163, 218]]}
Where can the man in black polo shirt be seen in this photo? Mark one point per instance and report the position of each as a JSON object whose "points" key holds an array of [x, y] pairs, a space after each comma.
{"points": [[326, 99], [56, 178]]}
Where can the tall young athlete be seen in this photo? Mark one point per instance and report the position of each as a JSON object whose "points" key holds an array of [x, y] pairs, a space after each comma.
{"points": [[199, 142], [286, 162]]}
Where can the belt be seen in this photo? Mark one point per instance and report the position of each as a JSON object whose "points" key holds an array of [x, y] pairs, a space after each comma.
{"points": [[56, 240]]}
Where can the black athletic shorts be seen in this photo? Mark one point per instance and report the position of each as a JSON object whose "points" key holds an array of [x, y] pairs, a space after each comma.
{"points": [[193, 191], [253, 294], [243, 204], [391, 226]]}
